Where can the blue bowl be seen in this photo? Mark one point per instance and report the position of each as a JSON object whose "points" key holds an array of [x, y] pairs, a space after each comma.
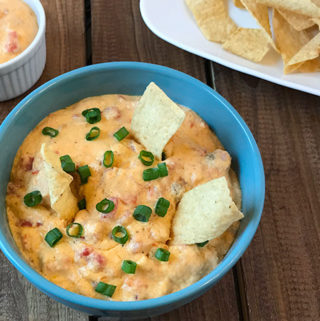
{"points": [[131, 78]]}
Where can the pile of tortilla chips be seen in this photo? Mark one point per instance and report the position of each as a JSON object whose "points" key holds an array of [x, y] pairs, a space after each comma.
{"points": [[295, 26]]}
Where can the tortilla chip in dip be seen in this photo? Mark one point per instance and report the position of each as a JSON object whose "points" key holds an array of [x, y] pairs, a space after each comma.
{"points": [[252, 44], [204, 213], [212, 18], [62, 201], [156, 119]]}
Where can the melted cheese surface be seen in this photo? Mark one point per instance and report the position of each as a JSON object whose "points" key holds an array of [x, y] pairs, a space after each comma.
{"points": [[18, 28], [193, 156]]}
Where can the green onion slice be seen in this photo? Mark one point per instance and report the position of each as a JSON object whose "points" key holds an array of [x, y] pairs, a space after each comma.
{"points": [[53, 236], [74, 230], [150, 174], [105, 206], [108, 158], [84, 172], [93, 115], [94, 133], [163, 170], [49, 131], [202, 244], [162, 254], [32, 199], [67, 164], [129, 266], [142, 213], [146, 158], [162, 207], [82, 204], [123, 238], [121, 134], [105, 289]]}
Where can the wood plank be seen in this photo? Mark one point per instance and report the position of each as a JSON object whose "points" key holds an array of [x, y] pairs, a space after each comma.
{"points": [[280, 269], [19, 300], [118, 33], [217, 304]]}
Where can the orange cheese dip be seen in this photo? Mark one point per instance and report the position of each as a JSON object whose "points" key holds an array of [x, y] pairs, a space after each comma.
{"points": [[18, 28], [193, 156]]}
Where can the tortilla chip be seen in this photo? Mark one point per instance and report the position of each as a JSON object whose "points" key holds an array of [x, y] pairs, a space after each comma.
{"points": [[316, 21], [260, 13], [204, 213], [62, 201], [39, 181], [310, 66], [252, 44], [235, 189], [238, 4], [304, 7], [156, 119], [288, 40], [296, 20], [309, 51], [212, 18]]}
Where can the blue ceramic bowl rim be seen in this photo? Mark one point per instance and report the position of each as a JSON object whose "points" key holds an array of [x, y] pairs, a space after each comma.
{"points": [[182, 295]]}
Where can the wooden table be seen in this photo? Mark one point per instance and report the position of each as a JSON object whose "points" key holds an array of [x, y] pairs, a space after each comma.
{"points": [[278, 276]]}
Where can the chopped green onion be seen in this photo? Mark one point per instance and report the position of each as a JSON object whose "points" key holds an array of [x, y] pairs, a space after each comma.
{"points": [[142, 213], [93, 133], [129, 266], [67, 164], [93, 115], [150, 174], [32, 199], [76, 230], [162, 207], [163, 170], [49, 131], [162, 254], [163, 156], [108, 158], [121, 134], [146, 158], [120, 230], [82, 204], [101, 206], [105, 289], [53, 236], [202, 244], [84, 172]]}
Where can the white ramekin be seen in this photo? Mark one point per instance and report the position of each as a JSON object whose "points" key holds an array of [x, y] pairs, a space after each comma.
{"points": [[22, 72]]}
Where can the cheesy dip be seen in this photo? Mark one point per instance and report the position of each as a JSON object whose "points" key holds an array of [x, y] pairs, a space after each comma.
{"points": [[92, 210], [18, 28]]}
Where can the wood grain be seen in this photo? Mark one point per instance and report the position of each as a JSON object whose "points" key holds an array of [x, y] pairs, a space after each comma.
{"points": [[19, 300], [118, 33], [280, 269]]}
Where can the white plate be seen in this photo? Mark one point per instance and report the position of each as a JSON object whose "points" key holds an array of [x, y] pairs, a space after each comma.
{"points": [[172, 21]]}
